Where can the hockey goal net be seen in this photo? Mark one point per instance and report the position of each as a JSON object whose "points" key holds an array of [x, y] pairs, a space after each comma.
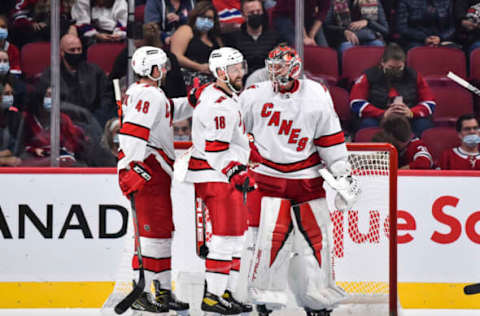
{"points": [[364, 258], [364, 255]]}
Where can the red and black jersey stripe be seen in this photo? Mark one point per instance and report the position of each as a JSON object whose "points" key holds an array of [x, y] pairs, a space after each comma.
{"points": [[135, 130], [330, 140], [216, 145], [162, 153], [197, 164], [121, 154], [311, 161]]}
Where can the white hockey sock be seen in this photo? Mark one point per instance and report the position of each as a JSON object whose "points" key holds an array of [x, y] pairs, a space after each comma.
{"points": [[165, 279]]}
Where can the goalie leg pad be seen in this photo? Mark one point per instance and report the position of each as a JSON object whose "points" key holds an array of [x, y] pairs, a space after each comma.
{"points": [[268, 271], [311, 277], [246, 261]]}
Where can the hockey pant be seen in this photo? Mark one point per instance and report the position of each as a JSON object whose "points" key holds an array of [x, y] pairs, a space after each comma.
{"points": [[154, 213], [293, 243]]}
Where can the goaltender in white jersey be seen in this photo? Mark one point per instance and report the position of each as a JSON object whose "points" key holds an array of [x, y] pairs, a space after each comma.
{"points": [[295, 129]]}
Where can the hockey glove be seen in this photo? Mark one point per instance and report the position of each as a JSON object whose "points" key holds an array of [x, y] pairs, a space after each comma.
{"points": [[133, 179], [340, 179], [238, 176]]}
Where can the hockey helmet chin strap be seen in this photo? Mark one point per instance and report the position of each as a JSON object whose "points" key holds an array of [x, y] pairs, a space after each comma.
{"points": [[227, 81]]}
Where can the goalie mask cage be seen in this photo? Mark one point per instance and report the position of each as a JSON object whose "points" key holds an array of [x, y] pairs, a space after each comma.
{"points": [[364, 257]]}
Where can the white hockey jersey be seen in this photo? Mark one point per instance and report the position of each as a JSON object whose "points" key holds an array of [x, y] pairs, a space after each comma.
{"points": [[218, 136], [293, 131], [147, 116]]}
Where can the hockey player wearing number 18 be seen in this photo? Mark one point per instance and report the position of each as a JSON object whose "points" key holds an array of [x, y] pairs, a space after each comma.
{"points": [[218, 168], [295, 127], [145, 165]]}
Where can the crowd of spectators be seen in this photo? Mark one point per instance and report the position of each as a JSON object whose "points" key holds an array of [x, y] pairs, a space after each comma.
{"points": [[188, 30]]}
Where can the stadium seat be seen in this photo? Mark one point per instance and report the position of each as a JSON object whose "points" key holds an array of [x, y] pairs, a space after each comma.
{"points": [[358, 59], [104, 55], [435, 62], [35, 58], [342, 107], [139, 13], [475, 65], [365, 135], [439, 139], [451, 103], [321, 62]]}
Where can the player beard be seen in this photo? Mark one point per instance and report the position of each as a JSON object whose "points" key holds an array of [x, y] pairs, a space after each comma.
{"points": [[237, 84]]}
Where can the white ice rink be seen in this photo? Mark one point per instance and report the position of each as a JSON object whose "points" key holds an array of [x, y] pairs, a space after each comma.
{"points": [[96, 312]]}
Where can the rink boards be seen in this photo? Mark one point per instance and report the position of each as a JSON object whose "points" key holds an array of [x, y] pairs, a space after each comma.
{"points": [[62, 235]]}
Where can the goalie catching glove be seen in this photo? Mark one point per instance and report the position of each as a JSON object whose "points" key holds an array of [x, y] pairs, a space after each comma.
{"points": [[133, 179], [341, 180], [238, 176]]}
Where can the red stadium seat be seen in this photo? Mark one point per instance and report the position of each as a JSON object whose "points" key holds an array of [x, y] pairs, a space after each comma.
{"points": [[139, 13], [321, 62], [475, 65], [365, 135], [436, 62], [451, 103], [104, 54], [35, 58], [342, 106], [438, 139], [357, 59]]}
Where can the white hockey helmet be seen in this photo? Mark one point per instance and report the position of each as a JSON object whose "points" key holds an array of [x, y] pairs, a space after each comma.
{"points": [[224, 57], [146, 57]]}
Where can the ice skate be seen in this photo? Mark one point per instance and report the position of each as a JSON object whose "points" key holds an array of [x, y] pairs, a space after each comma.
{"points": [[167, 297], [216, 304]]}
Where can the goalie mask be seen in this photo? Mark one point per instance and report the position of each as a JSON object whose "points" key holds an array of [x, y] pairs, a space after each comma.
{"points": [[147, 57], [283, 65], [231, 63]]}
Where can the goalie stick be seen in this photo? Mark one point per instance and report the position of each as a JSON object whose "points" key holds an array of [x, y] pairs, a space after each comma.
{"points": [[463, 83], [472, 289], [121, 307]]}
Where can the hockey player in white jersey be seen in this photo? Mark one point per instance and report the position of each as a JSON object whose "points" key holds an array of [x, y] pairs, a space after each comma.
{"points": [[295, 129], [146, 144], [218, 168]]}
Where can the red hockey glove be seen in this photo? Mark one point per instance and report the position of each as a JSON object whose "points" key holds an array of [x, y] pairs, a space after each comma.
{"points": [[238, 176], [132, 180]]}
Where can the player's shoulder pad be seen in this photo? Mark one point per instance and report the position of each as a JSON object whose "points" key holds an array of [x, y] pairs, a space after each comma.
{"points": [[194, 94]]}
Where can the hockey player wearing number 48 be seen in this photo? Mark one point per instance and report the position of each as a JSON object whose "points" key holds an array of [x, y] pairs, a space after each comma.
{"points": [[218, 168], [146, 153], [295, 128]]}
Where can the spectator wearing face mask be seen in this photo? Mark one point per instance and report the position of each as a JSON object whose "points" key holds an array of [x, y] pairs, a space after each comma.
{"points": [[391, 87], [82, 83], [467, 155], [37, 133], [254, 39], [193, 42], [19, 87], [12, 50], [10, 118], [182, 130]]}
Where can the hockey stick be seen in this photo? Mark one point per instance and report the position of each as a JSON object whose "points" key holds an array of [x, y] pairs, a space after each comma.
{"points": [[472, 289], [463, 83], [121, 307]]}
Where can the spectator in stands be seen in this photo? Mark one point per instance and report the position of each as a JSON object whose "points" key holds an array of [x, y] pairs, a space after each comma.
{"points": [[174, 85], [314, 14], [192, 43], [389, 88], [100, 20], [37, 132], [10, 118], [12, 50], [31, 20], [351, 23], [229, 14], [82, 83], [168, 14], [467, 16], [467, 155], [19, 87], [425, 23], [412, 151], [254, 39], [110, 142], [182, 130]]}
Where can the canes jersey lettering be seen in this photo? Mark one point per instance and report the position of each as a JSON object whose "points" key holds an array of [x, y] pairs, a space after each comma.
{"points": [[293, 131], [147, 116], [218, 136]]}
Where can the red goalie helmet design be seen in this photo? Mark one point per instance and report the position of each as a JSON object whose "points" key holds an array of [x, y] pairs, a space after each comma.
{"points": [[283, 65]]}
